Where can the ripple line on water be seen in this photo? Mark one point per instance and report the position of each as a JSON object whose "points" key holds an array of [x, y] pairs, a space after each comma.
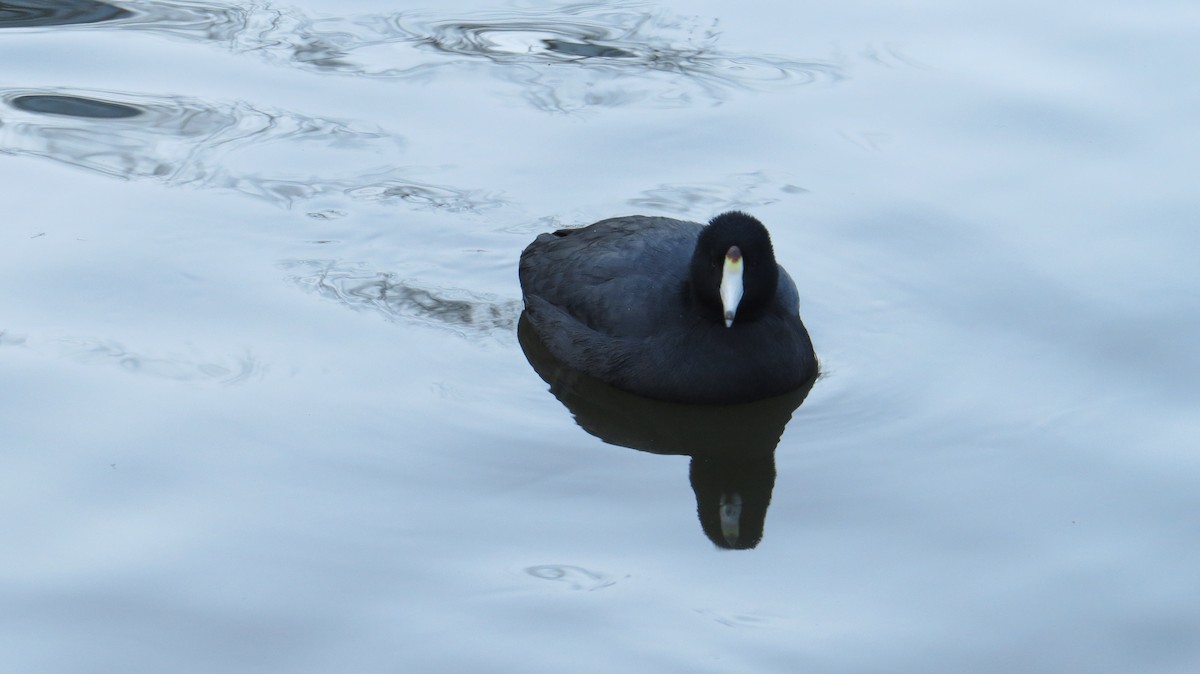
{"points": [[177, 141], [736, 192], [184, 367], [575, 577], [562, 58], [465, 313]]}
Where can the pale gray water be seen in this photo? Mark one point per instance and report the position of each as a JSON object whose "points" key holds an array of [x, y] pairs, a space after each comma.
{"points": [[265, 409]]}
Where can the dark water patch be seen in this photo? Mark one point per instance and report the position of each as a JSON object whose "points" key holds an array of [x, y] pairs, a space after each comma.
{"points": [[586, 50], [73, 106], [43, 13]]}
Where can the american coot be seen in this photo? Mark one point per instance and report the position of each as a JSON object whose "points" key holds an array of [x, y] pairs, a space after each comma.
{"points": [[669, 309]]}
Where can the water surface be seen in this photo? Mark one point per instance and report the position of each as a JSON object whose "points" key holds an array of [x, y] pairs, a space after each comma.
{"points": [[267, 405]]}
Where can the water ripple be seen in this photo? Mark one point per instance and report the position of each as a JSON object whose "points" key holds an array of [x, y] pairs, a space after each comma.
{"points": [[563, 58], [227, 371], [741, 620], [575, 577], [588, 54], [186, 141], [11, 339], [465, 313], [178, 368], [739, 191]]}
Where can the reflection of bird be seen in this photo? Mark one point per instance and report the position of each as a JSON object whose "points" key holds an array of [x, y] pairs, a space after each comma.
{"points": [[669, 309], [732, 446]]}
